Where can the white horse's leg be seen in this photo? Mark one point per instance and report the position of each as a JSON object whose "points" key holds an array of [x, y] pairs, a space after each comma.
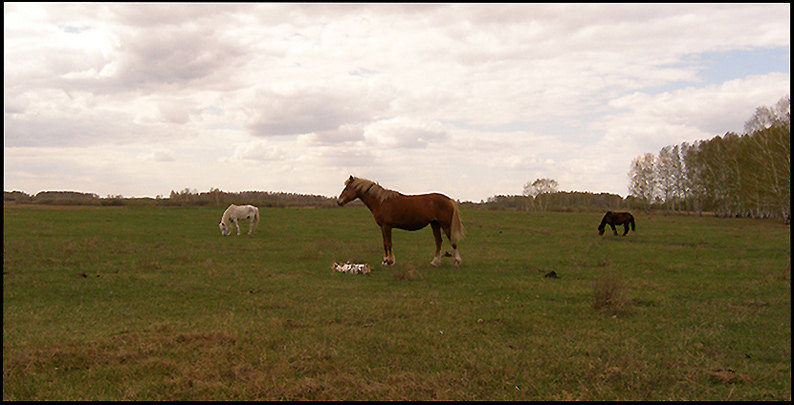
{"points": [[255, 221], [251, 224], [237, 225]]}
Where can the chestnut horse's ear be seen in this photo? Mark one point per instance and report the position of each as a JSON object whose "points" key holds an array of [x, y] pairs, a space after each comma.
{"points": [[351, 178]]}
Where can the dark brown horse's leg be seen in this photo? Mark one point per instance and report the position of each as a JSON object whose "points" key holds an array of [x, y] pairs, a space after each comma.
{"points": [[613, 229], [625, 228], [437, 235], [388, 255]]}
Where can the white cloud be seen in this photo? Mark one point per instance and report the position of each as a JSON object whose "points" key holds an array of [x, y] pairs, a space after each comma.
{"points": [[692, 113], [159, 156], [469, 99], [402, 133], [344, 134], [258, 151], [304, 111]]}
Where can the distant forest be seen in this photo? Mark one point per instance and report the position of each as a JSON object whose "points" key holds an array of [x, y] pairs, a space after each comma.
{"points": [[183, 198], [557, 201]]}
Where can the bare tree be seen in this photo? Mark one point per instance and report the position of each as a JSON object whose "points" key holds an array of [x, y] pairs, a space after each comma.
{"points": [[538, 188], [765, 117]]}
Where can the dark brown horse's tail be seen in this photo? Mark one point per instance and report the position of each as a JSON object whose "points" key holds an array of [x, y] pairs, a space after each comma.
{"points": [[631, 221], [457, 231]]}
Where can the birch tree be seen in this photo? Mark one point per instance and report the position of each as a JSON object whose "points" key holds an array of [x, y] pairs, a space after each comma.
{"points": [[642, 179]]}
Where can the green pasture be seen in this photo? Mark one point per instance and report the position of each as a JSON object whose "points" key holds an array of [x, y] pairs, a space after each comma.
{"points": [[119, 303]]}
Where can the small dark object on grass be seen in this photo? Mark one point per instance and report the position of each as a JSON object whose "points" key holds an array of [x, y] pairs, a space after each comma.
{"points": [[551, 275]]}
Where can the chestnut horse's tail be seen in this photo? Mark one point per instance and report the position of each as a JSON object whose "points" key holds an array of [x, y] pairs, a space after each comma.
{"points": [[457, 231]]}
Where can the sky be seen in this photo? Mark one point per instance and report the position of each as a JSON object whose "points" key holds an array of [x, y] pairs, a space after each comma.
{"points": [[470, 100]]}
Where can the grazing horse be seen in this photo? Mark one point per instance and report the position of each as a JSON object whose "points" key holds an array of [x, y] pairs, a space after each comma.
{"points": [[393, 209], [235, 213], [616, 218]]}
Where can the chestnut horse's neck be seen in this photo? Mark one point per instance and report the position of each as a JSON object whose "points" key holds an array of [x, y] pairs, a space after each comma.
{"points": [[372, 202], [372, 194]]}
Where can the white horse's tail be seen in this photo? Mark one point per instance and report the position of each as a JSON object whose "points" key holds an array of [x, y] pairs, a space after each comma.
{"points": [[255, 219]]}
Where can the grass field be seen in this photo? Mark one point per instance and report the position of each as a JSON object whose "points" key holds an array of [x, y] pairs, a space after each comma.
{"points": [[120, 303]]}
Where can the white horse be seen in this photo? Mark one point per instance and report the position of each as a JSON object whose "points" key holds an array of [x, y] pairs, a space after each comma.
{"points": [[235, 213]]}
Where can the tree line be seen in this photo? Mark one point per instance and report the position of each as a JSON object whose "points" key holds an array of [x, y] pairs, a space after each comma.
{"points": [[560, 201], [551, 200], [747, 175], [185, 197]]}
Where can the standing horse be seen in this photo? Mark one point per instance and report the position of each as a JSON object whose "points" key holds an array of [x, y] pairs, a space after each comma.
{"points": [[393, 209], [617, 218], [235, 213]]}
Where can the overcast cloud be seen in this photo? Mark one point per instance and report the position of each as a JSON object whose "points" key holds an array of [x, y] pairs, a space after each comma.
{"points": [[472, 100]]}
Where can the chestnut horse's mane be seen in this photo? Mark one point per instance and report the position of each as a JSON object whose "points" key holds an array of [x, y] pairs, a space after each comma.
{"points": [[369, 187]]}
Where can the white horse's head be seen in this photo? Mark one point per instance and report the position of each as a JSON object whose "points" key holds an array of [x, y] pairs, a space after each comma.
{"points": [[223, 229]]}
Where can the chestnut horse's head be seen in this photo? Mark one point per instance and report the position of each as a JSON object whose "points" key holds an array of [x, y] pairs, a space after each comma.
{"points": [[367, 190], [348, 194]]}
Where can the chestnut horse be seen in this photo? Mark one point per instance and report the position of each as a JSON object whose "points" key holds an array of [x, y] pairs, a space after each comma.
{"points": [[616, 218], [393, 209]]}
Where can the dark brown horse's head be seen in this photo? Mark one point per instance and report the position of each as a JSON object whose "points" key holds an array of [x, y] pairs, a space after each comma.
{"points": [[348, 194]]}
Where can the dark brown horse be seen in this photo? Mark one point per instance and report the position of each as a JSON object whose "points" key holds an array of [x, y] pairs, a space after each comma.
{"points": [[616, 218], [393, 209]]}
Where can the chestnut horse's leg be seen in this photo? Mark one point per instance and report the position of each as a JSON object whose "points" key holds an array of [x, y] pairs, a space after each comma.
{"points": [[457, 254], [437, 235], [388, 255], [448, 231], [613, 229]]}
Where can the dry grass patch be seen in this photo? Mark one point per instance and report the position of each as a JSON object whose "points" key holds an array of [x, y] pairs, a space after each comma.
{"points": [[609, 295], [406, 272]]}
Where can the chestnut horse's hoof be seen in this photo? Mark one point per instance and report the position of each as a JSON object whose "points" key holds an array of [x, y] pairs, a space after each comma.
{"points": [[387, 263]]}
